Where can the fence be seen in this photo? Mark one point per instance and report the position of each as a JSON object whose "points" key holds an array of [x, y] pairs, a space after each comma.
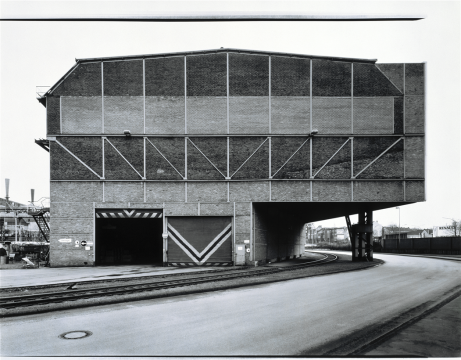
{"points": [[437, 245]]}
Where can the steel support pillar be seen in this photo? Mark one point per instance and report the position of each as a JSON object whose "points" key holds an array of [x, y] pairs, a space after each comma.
{"points": [[362, 237]]}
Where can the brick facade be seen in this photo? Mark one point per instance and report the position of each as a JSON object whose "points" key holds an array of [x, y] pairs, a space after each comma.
{"points": [[196, 119]]}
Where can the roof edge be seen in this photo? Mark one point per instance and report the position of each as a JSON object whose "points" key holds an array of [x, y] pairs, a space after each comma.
{"points": [[223, 50]]}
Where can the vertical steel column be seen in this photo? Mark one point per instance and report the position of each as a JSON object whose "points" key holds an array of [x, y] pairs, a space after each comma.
{"points": [[102, 97], [270, 168], [352, 168], [404, 115], [310, 97], [94, 233], [185, 158], [270, 100], [233, 237], [352, 98], [144, 93], [252, 245], [310, 124], [227, 94], [60, 114], [185, 94]]}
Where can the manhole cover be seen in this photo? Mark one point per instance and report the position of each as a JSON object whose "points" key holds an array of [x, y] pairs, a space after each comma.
{"points": [[75, 335]]}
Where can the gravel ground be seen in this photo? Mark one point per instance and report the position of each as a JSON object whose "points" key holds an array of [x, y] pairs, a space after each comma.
{"points": [[343, 263]]}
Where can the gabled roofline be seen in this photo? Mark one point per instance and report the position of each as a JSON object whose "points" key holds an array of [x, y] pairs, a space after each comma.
{"points": [[225, 50], [42, 99]]}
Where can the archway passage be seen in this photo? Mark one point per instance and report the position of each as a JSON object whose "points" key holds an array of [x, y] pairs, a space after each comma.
{"points": [[129, 241]]}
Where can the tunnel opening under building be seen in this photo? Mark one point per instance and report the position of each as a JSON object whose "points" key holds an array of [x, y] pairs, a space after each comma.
{"points": [[128, 241]]}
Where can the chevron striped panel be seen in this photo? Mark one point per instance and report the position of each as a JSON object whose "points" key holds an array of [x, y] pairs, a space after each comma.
{"points": [[205, 241], [195, 264], [130, 213]]}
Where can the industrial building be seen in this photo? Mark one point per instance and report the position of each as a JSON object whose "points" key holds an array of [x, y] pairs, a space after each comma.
{"points": [[220, 157]]}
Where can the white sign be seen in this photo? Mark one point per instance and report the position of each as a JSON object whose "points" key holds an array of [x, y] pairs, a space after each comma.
{"points": [[65, 240], [87, 247], [246, 241], [440, 231], [239, 247], [89, 243]]}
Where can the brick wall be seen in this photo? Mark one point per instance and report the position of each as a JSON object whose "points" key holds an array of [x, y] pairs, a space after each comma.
{"points": [[172, 148], [290, 191], [87, 148], [290, 115], [249, 191], [81, 114], [331, 191], [398, 115], [165, 76], [214, 148], [370, 81], [257, 167], [53, 119], [64, 166], [165, 191], [378, 191], [374, 115], [207, 75], [414, 114], [248, 75], [123, 191], [414, 191], [207, 191], [85, 80], [115, 167], [388, 166], [331, 115], [394, 72], [123, 113], [290, 76], [123, 78], [249, 115], [165, 115], [414, 79], [206, 115], [331, 78], [282, 149], [414, 157], [199, 168]]}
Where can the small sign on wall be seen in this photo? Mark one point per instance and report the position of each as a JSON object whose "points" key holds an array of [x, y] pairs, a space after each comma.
{"points": [[65, 240], [246, 241], [87, 247]]}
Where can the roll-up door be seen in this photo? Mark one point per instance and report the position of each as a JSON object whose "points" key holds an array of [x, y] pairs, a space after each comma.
{"points": [[200, 241]]}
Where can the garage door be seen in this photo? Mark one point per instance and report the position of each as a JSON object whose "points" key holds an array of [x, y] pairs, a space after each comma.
{"points": [[200, 241]]}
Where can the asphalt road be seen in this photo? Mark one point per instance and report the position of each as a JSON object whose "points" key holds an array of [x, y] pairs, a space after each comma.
{"points": [[287, 318]]}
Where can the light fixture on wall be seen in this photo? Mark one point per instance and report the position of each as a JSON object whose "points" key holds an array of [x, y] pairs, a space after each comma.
{"points": [[127, 133], [314, 132]]}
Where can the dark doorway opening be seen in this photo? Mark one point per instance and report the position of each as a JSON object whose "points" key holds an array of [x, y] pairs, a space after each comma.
{"points": [[129, 241]]}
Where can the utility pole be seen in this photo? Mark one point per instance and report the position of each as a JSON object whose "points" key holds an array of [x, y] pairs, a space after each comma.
{"points": [[398, 245]]}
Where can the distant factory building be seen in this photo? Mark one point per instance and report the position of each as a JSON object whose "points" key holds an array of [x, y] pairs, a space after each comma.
{"points": [[220, 157]]}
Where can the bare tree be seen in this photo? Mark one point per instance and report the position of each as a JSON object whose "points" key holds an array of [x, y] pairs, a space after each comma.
{"points": [[391, 229]]}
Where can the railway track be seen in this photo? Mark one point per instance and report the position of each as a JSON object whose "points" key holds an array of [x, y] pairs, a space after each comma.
{"points": [[10, 302]]}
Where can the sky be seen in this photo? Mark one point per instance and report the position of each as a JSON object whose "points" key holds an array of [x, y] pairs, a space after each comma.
{"points": [[39, 53]]}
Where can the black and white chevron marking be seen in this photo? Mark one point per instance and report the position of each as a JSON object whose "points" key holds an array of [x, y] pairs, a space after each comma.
{"points": [[131, 214], [199, 258], [194, 264]]}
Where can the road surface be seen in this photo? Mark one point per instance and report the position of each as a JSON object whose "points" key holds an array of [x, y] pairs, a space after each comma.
{"points": [[288, 318]]}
